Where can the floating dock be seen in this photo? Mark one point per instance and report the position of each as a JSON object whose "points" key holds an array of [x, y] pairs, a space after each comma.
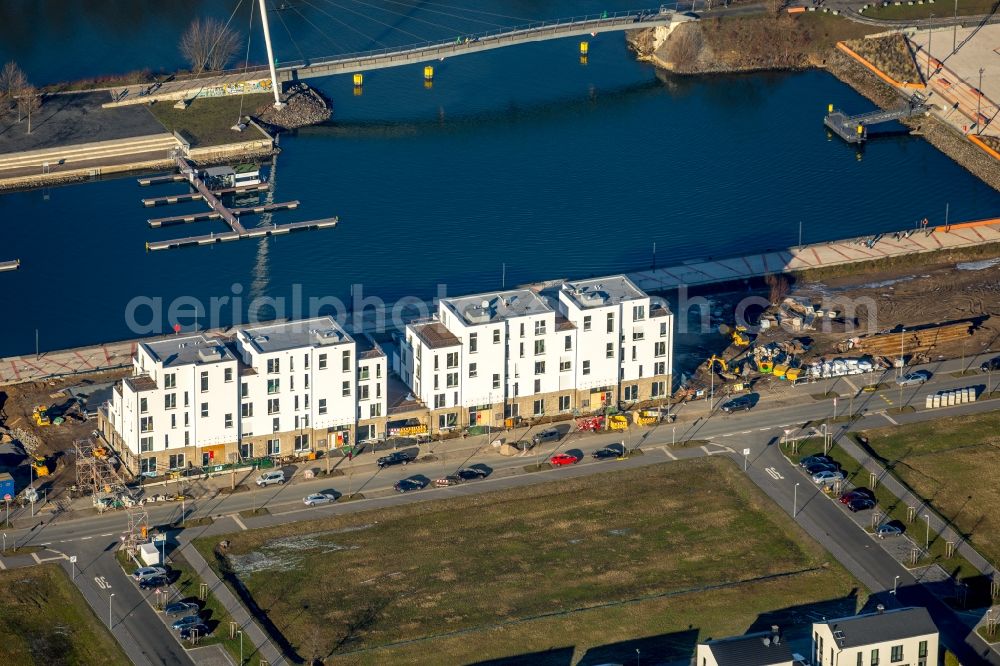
{"points": [[12, 265], [256, 232], [854, 129], [159, 180], [158, 222]]}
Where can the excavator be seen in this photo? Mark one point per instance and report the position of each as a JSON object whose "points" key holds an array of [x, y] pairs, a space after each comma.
{"points": [[738, 334]]}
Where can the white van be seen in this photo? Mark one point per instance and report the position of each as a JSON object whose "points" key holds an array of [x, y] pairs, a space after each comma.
{"points": [[269, 478]]}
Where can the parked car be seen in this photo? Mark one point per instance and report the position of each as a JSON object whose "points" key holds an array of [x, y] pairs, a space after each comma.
{"points": [[826, 477], [186, 621], [271, 478], [547, 435], [471, 473], [152, 582], [857, 493], [146, 572], [822, 467], [406, 485], [991, 365], [861, 504], [201, 630], [179, 608], [607, 452], [560, 459], [396, 458], [319, 498], [818, 457], [889, 530], [913, 378], [744, 403]]}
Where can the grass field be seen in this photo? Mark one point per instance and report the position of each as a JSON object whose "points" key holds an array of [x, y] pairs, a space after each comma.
{"points": [[939, 9], [44, 620], [208, 122], [510, 572]]}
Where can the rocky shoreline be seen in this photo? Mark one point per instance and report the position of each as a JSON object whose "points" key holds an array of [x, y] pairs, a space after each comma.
{"points": [[304, 106]]}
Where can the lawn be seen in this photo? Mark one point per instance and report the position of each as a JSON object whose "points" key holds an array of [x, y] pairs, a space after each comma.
{"points": [[509, 572], [915, 11], [44, 620], [208, 122]]}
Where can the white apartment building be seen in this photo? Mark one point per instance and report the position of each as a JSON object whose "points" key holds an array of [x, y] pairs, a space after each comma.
{"points": [[581, 346], [883, 638], [272, 390]]}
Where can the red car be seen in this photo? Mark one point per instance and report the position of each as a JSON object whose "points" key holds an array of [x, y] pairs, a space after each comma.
{"points": [[563, 459]]}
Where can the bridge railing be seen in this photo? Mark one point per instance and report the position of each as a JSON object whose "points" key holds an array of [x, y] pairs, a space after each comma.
{"points": [[603, 18]]}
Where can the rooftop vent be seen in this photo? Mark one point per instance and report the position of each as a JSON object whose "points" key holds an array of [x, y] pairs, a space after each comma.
{"points": [[478, 314], [766, 640], [211, 354], [259, 339], [327, 337]]}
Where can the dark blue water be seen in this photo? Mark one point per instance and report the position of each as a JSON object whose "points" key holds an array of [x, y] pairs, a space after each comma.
{"points": [[519, 156]]}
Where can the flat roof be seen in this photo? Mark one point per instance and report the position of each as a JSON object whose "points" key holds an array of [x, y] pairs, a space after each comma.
{"points": [[317, 332], [497, 306], [189, 350], [603, 291], [435, 335], [877, 627]]}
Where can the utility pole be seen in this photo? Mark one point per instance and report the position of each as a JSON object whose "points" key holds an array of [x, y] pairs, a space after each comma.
{"points": [[954, 33], [979, 102], [275, 86]]}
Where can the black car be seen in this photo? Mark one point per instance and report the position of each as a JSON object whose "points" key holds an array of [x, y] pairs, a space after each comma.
{"points": [[857, 493], [991, 365], [816, 458], [547, 435], [744, 403], [607, 452], [821, 467], [470, 474], [396, 458], [406, 485], [153, 582], [200, 630], [861, 504]]}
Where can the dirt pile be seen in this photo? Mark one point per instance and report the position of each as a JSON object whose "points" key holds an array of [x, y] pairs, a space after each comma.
{"points": [[303, 106]]}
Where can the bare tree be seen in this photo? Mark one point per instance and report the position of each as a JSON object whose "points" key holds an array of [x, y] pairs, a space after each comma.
{"points": [[12, 82], [779, 286], [209, 44], [28, 102]]}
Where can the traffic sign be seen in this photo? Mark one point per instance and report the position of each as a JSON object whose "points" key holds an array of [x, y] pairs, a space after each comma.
{"points": [[7, 497], [72, 558], [746, 452]]}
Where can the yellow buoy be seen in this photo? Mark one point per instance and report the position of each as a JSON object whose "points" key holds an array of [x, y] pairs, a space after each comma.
{"points": [[861, 130], [359, 80], [428, 73], [428, 84], [357, 91], [829, 108], [584, 48], [583, 60]]}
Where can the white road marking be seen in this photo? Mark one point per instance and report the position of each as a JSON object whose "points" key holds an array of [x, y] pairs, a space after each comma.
{"points": [[35, 557], [102, 582], [236, 519], [84, 538], [889, 418], [764, 429], [108, 534], [668, 452], [728, 434], [773, 473], [746, 432], [849, 383]]}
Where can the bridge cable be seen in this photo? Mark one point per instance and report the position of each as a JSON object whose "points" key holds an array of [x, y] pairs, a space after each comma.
{"points": [[216, 42], [410, 17], [425, 3], [281, 18], [459, 16], [346, 25], [246, 64], [322, 34], [373, 20]]}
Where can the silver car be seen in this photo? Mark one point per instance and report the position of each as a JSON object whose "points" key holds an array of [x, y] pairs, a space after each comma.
{"points": [[318, 498], [913, 378], [888, 530], [827, 477]]}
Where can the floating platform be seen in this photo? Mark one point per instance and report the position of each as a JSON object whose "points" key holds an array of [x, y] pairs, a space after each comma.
{"points": [[172, 199], [12, 265], [158, 222], [854, 129], [256, 232], [159, 180], [239, 189]]}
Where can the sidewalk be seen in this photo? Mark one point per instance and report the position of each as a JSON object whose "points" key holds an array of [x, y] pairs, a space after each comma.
{"points": [[235, 607]]}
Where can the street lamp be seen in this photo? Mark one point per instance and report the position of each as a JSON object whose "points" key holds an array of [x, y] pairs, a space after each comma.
{"points": [[979, 103], [894, 583], [240, 632], [795, 501], [109, 609], [927, 540]]}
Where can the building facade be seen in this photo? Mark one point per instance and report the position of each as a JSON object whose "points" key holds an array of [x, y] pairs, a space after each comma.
{"points": [[575, 347], [882, 638], [274, 390]]}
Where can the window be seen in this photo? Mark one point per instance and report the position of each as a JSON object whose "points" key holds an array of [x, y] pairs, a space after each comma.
{"points": [[522, 329], [378, 371], [634, 352], [273, 386], [166, 441], [204, 410], [148, 466], [204, 381], [305, 361], [539, 407], [586, 323], [568, 346], [660, 368], [658, 389], [861, 659], [452, 379], [273, 406], [176, 460], [345, 360], [521, 349], [539, 367], [186, 401], [496, 380], [322, 406], [173, 420], [473, 370], [473, 343], [638, 312], [246, 410], [540, 327], [922, 649], [539, 347], [143, 405], [229, 420], [452, 360], [663, 330], [275, 424], [660, 349], [146, 424], [170, 401], [564, 366], [375, 409], [874, 661], [439, 401], [363, 392], [897, 654], [246, 450], [145, 444], [538, 386], [511, 411], [563, 403], [291, 364], [363, 373], [345, 389], [273, 366], [322, 361], [301, 442], [632, 392], [436, 359], [609, 350], [187, 438], [244, 389], [611, 322], [447, 420], [638, 334], [496, 336], [169, 382], [586, 367], [305, 379], [187, 419], [228, 375], [274, 447]]}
